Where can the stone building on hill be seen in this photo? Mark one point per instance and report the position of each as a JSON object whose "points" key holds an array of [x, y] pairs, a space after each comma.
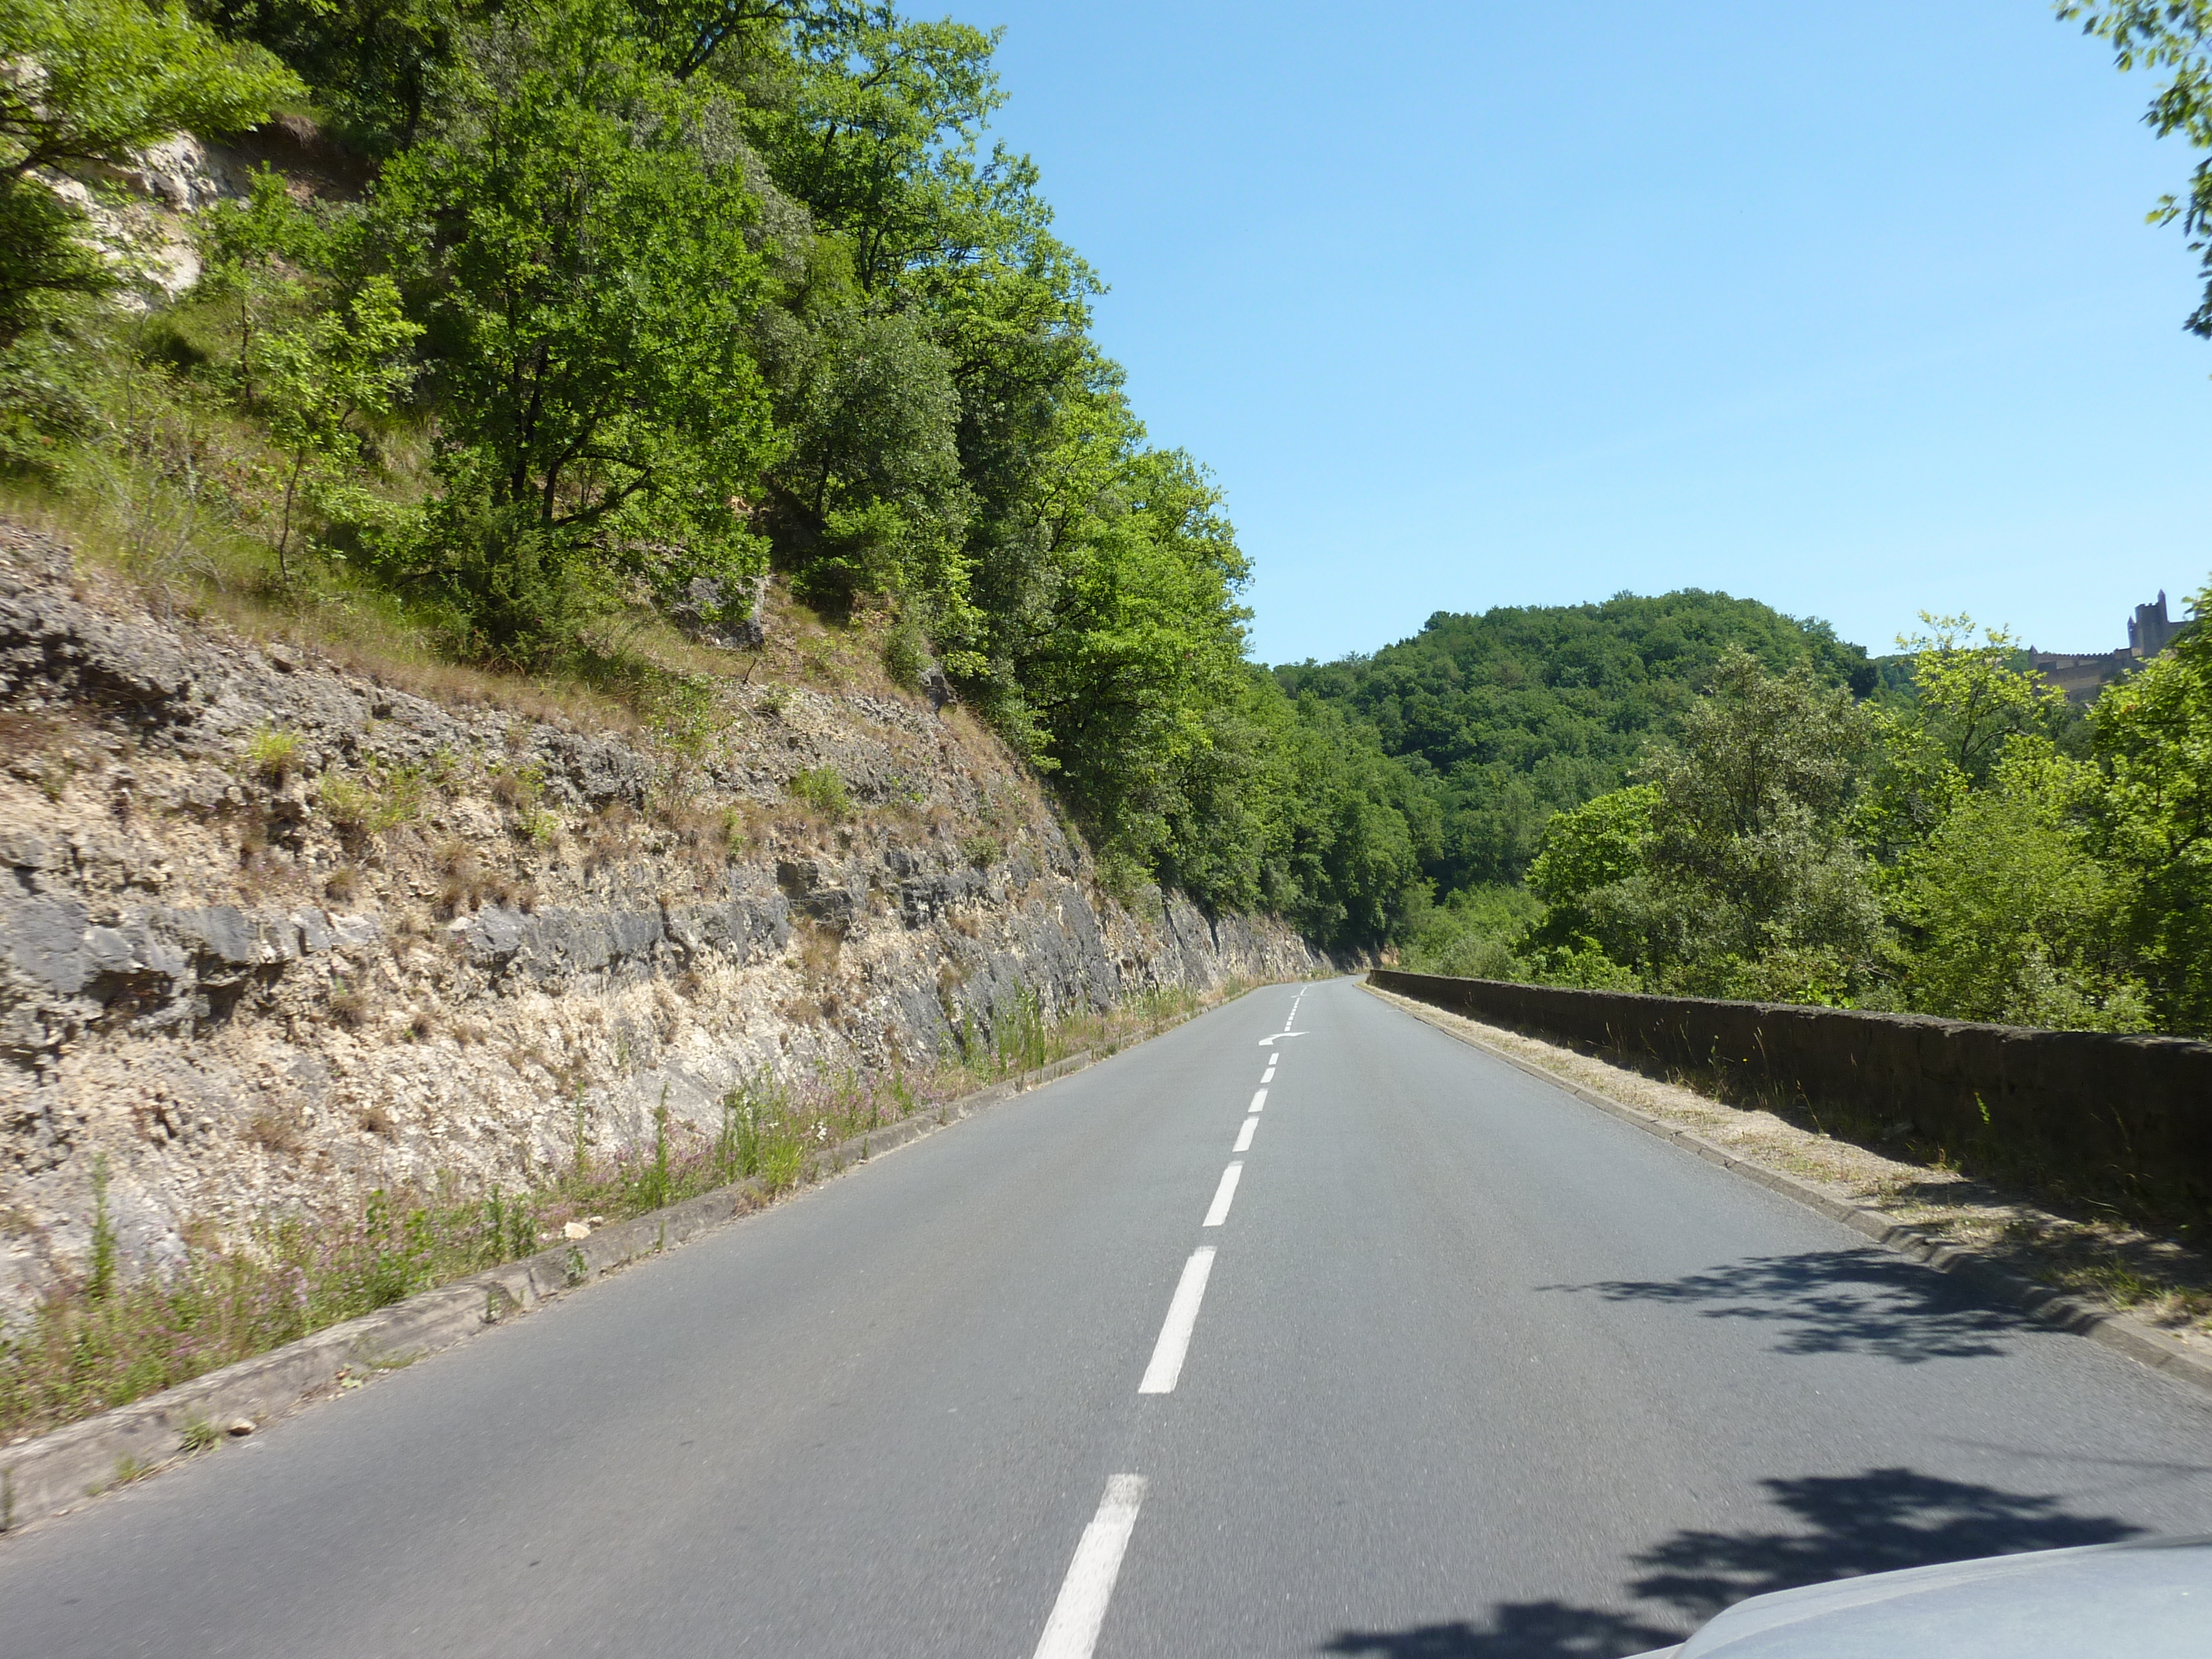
{"points": [[2150, 630]]}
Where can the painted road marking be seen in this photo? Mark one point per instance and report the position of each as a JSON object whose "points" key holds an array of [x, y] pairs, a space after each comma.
{"points": [[1073, 1630], [1224, 1195], [1269, 1042], [1183, 1319], [1268, 1075], [1258, 1099], [1244, 1135]]}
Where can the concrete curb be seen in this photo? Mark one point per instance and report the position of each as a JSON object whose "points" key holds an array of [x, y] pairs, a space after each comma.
{"points": [[48, 1475], [2131, 1337]]}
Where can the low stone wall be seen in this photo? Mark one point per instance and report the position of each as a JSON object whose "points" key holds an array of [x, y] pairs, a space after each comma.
{"points": [[2086, 1110]]}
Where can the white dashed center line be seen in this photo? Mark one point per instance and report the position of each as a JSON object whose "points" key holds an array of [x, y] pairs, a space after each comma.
{"points": [[1073, 1630], [1183, 1318], [1224, 1196]]}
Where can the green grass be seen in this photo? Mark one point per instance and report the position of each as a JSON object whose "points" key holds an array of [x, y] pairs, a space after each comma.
{"points": [[273, 753]]}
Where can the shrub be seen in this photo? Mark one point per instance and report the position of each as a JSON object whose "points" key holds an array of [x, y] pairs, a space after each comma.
{"points": [[822, 790]]}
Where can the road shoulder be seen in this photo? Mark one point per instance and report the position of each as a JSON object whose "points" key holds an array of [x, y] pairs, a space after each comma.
{"points": [[2147, 1298]]}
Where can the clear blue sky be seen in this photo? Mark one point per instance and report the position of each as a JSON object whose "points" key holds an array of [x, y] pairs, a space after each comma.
{"points": [[1852, 309]]}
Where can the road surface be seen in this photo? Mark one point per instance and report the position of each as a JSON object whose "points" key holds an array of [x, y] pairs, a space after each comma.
{"points": [[1453, 1364]]}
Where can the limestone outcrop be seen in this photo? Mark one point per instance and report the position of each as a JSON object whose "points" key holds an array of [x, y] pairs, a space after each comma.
{"points": [[274, 931]]}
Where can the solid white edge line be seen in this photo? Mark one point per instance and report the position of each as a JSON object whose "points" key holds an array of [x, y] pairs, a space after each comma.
{"points": [[1168, 1353], [1073, 1630], [1224, 1195], [1244, 1135], [1259, 1100]]}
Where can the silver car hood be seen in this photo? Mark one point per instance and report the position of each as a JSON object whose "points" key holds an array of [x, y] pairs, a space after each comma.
{"points": [[2147, 1599]]}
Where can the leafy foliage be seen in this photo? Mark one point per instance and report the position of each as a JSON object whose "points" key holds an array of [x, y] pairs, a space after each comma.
{"points": [[2175, 36], [1517, 714], [1941, 852], [2010, 913], [658, 294], [582, 275], [2152, 820], [89, 83], [1739, 880]]}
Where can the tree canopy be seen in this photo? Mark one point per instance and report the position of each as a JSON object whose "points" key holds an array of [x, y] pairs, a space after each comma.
{"points": [[1511, 716]]}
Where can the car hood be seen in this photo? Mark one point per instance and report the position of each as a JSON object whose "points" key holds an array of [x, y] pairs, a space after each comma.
{"points": [[2145, 1600]]}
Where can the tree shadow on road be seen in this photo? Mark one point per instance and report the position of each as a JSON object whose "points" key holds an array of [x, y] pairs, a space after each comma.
{"points": [[1865, 1301], [1516, 1629], [1840, 1527]]}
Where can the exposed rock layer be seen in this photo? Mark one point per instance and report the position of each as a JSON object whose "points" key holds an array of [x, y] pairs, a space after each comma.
{"points": [[272, 932]]}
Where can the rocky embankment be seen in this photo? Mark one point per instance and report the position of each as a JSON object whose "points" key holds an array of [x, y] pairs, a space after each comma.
{"points": [[273, 933]]}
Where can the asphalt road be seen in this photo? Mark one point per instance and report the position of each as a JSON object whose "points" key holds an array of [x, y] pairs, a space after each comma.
{"points": [[1475, 1371]]}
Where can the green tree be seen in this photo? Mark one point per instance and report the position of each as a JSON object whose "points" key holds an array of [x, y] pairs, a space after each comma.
{"points": [[258, 253], [372, 65], [324, 377], [1522, 712], [580, 262], [1587, 851], [871, 461], [1739, 879], [1970, 701], [1139, 640], [2153, 742], [1346, 829], [90, 83], [2006, 913], [877, 132], [2176, 36], [1602, 841], [1476, 932]]}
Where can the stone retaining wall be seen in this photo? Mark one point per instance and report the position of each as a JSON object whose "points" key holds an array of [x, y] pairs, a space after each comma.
{"points": [[2089, 1109]]}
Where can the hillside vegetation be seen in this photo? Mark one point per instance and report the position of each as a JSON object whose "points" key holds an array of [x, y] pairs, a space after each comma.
{"points": [[563, 321], [557, 327], [1972, 848], [1511, 716]]}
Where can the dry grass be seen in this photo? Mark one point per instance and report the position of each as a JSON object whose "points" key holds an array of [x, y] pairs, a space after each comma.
{"points": [[91, 1345], [230, 582], [463, 883], [275, 1130], [27, 738], [818, 951], [517, 788], [610, 837], [709, 834]]}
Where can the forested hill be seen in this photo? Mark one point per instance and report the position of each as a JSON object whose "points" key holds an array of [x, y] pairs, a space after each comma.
{"points": [[1511, 715]]}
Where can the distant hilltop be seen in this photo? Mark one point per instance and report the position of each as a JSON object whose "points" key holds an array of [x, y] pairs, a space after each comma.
{"points": [[2150, 630]]}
